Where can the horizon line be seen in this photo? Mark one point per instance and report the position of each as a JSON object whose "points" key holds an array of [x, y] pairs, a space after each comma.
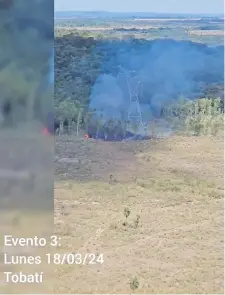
{"points": [[109, 11]]}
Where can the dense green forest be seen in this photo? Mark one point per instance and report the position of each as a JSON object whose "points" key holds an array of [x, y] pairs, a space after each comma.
{"points": [[81, 58]]}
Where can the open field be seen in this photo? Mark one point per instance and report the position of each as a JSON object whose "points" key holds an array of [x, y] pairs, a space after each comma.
{"points": [[174, 185], [206, 30]]}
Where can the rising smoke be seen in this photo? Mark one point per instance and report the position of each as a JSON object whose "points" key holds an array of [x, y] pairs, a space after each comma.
{"points": [[166, 69]]}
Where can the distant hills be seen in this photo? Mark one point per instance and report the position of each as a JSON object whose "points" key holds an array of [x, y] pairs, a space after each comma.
{"points": [[108, 14]]}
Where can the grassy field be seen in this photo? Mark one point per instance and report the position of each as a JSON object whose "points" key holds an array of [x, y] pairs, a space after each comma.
{"points": [[153, 209], [172, 240]]}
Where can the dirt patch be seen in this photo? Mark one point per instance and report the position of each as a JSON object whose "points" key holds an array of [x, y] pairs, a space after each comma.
{"points": [[87, 160]]}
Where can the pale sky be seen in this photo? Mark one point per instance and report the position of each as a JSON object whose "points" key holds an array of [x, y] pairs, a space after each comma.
{"points": [[163, 6]]}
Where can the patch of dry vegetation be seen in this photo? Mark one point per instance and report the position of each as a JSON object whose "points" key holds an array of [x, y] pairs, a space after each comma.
{"points": [[158, 221]]}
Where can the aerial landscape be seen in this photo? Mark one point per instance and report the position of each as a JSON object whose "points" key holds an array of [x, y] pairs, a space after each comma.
{"points": [[139, 151], [137, 146]]}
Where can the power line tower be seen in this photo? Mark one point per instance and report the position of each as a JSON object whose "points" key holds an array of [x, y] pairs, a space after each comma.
{"points": [[134, 115]]}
